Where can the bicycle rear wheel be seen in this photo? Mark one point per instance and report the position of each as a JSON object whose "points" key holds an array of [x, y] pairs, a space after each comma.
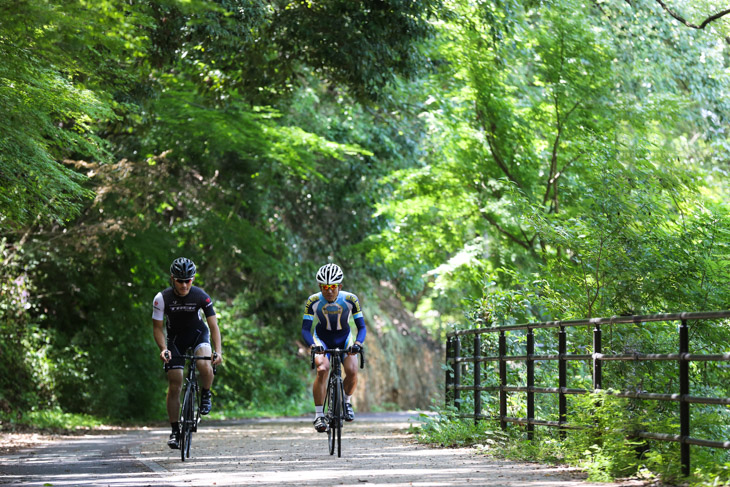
{"points": [[187, 422]]}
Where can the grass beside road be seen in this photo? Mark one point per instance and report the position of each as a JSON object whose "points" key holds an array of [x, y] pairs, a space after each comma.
{"points": [[53, 420], [60, 422]]}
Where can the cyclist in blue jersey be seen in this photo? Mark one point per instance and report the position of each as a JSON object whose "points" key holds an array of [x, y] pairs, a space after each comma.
{"points": [[181, 304], [332, 309]]}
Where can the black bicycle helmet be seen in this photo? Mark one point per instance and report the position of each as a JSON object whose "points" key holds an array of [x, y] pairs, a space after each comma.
{"points": [[330, 274], [182, 268]]}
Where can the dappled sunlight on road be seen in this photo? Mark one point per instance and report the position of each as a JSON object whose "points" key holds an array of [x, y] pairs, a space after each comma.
{"points": [[76, 461], [373, 454], [281, 453]]}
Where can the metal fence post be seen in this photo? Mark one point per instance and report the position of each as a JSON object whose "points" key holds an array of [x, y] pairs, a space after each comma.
{"points": [[562, 377], [457, 373], [502, 380], [477, 378], [530, 383], [684, 427], [597, 369], [448, 393]]}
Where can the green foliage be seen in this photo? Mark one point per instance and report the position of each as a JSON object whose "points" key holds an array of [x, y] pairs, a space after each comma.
{"points": [[176, 74], [260, 373], [49, 420], [627, 253], [26, 379], [52, 80], [358, 44], [561, 146], [604, 447], [508, 299], [506, 161], [445, 429]]}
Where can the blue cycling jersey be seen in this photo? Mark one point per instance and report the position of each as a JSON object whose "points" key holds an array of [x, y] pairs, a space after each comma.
{"points": [[332, 320]]}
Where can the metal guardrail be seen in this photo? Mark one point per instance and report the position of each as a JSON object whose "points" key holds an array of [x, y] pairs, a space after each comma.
{"points": [[682, 358]]}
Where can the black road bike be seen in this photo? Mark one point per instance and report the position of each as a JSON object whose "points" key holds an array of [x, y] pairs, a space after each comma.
{"points": [[190, 409], [334, 400]]}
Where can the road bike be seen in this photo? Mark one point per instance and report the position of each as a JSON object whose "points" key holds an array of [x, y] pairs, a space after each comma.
{"points": [[190, 408], [334, 399]]}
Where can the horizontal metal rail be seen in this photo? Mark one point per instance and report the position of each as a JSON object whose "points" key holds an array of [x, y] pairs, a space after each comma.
{"points": [[683, 358], [685, 440], [704, 315], [721, 401], [690, 357]]}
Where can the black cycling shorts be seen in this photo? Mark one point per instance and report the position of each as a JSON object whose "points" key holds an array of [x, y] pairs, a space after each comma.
{"points": [[178, 343]]}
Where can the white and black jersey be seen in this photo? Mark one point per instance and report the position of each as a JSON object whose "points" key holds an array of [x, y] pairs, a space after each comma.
{"points": [[185, 327]]}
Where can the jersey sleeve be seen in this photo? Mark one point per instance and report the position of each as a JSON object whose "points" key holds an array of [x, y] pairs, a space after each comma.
{"points": [[361, 330], [358, 317], [158, 307], [207, 305], [308, 319]]}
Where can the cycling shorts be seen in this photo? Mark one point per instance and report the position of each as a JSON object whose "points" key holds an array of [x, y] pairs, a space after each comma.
{"points": [[344, 342], [178, 343]]}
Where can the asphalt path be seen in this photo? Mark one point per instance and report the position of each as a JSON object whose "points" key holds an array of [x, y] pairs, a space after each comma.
{"points": [[377, 451]]}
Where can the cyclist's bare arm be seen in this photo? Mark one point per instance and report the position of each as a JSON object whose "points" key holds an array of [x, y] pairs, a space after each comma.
{"points": [[215, 338], [158, 329]]}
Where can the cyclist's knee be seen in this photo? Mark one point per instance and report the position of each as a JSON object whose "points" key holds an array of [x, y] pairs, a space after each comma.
{"points": [[323, 370], [350, 368], [204, 367], [175, 378], [174, 387]]}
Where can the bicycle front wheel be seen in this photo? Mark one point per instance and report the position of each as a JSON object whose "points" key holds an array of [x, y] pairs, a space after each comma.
{"points": [[187, 422], [339, 441], [340, 415], [332, 407]]}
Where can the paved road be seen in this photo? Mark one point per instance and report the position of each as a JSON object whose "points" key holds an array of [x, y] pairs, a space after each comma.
{"points": [[377, 451]]}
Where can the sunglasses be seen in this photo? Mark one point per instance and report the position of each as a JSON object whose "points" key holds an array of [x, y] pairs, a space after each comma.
{"points": [[328, 287], [183, 281]]}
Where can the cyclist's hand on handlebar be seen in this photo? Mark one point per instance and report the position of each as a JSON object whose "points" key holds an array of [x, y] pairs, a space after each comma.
{"points": [[355, 349], [217, 358], [165, 355], [317, 349]]}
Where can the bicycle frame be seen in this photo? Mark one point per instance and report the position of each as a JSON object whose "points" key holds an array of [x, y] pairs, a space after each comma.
{"points": [[334, 401], [190, 404]]}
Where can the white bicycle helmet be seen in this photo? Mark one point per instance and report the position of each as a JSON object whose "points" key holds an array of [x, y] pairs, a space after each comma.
{"points": [[330, 274]]}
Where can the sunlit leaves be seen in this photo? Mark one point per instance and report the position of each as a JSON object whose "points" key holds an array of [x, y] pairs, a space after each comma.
{"points": [[575, 134]]}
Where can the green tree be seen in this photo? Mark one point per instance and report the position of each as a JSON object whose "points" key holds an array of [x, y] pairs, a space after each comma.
{"points": [[549, 115], [196, 103]]}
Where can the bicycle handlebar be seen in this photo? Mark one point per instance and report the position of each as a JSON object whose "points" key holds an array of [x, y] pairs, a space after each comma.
{"points": [[194, 358], [361, 353]]}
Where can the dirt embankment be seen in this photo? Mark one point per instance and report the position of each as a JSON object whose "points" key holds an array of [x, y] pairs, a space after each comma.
{"points": [[403, 362]]}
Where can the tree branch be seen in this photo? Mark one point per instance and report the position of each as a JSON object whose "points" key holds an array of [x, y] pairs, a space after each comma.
{"points": [[489, 129], [681, 19], [503, 231]]}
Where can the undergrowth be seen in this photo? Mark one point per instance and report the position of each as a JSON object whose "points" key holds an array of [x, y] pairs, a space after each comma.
{"points": [[49, 420], [613, 455], [57, 421]]}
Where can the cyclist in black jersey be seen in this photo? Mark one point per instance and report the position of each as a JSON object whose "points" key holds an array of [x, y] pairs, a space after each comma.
{"points": [[181, 303]]}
